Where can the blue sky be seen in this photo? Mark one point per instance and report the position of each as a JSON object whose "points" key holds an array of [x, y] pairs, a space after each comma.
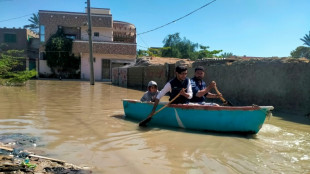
{"points": [[260, 28]]}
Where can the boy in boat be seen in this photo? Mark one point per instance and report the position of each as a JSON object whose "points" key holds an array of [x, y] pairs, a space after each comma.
{"points": [[200, 90], [180, 89], [151, 93]]}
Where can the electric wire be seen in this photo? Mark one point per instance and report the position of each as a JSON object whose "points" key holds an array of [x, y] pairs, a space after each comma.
{"points": [[15, 18], [177, 19]]}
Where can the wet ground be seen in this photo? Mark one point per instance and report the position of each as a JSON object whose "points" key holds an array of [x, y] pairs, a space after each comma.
{"points": [[83, 125], [14, 158]]}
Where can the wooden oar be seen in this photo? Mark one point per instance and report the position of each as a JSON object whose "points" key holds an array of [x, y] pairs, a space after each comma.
{"points": [[148, 119], [225, 102]]}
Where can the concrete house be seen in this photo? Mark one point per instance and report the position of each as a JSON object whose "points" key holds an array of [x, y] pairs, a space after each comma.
{"points": [[114, 42], [22, 39]]}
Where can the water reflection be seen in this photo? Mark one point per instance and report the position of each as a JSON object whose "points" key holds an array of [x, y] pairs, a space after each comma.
{"points": [[84, 125]]}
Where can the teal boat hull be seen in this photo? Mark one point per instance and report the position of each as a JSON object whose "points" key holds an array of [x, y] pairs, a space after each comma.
{"points": [[247, 119]]}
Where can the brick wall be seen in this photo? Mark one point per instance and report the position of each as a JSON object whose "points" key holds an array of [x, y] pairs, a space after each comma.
{"points": [[157, 74], [138, 77], [104, 48], [284, 84], [21, 38], [52, 19], [135, 77]]}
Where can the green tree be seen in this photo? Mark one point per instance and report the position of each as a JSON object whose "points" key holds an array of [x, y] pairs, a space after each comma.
{"points": [[10, 75], [227, 55], [34, 25], [156, 52], [59, 55], [301, 51], [171, 42], [4, 47], [141, 53], [205, 53], [306, 39], [184, 48]]}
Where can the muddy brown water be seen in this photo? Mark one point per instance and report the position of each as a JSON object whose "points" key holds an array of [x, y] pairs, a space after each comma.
{"points": [[83, 125]]}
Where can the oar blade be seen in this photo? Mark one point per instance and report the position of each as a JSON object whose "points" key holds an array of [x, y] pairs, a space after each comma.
{"points": [[145, 121]]}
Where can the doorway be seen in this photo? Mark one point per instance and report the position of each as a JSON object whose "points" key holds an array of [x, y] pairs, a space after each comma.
{"points": [[106, 69]]}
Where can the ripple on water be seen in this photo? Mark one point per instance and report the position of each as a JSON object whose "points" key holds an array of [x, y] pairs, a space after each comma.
{"points": [[305, 157], [270, 128]]}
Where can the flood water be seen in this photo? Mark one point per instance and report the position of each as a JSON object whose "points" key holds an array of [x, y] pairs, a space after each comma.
{"points": [[83, 125]]}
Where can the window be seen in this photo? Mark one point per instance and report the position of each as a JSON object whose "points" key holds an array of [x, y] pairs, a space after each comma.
{"points": [[71, 36], [10, 38], [42, 33], [96, 34]]}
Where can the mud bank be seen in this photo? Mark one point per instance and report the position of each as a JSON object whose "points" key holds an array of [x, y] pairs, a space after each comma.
{"points": [[15, 158]]}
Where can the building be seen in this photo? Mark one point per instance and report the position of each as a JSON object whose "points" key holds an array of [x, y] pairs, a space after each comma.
{"points": [[22, 39], [114, 42]]}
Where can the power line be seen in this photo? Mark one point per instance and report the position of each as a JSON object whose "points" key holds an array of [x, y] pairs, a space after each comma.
{"points": [[16, 18], [177, 19], [142, 46], [143, 41]]}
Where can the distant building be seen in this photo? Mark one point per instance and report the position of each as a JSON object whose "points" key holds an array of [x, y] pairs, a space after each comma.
{"points": [[114, 42], [22, 39]]}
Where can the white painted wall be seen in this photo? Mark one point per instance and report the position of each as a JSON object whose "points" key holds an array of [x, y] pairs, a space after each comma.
{"points": [[43, 68], [85, 68], [98, 10], [105, 34]]}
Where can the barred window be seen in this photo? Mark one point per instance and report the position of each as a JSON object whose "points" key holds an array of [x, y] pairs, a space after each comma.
{"points": [[9, 38]]}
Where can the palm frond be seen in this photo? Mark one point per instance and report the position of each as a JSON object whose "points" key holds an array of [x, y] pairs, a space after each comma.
{"points": [[306, 39]]}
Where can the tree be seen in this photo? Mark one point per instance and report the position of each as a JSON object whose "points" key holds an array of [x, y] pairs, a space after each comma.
{"points": [[184, 48], [156, 52], [170, 42], [306, 39], [10, 74], [141, 53], [301, 51], [177, 47], [4, 47], [34, 26], [59, 55], [205, 53], [227, 55]]}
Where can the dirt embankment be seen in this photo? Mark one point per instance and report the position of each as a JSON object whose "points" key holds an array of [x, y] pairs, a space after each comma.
{"points": [[147, 61], [14, 158]]}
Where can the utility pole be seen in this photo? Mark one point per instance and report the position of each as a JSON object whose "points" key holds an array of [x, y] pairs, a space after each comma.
{"points": [[91, 59]]}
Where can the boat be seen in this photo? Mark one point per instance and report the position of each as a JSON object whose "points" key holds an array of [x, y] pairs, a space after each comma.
{"points": [[243, 119]]}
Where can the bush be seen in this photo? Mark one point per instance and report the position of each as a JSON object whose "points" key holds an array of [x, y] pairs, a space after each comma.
{"points": [[10, 75], [301, 51]]}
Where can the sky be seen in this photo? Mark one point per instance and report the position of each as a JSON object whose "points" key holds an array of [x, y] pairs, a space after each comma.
{"points": [[256, 28]]}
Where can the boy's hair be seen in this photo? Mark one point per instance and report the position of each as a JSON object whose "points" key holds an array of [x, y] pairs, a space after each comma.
{"points": [[199, 68], [179, 69]]}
